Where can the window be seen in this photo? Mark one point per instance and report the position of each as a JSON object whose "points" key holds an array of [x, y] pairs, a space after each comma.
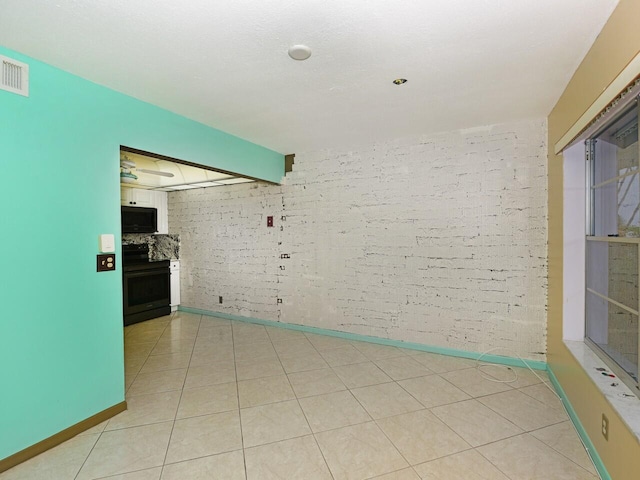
{"points": [[613, 240]]}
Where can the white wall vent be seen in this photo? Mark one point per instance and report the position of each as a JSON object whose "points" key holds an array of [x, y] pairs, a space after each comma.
{"points": [[14, 76]]}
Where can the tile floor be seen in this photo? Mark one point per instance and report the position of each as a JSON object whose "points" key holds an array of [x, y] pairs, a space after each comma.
{"points": [[214, 399]]}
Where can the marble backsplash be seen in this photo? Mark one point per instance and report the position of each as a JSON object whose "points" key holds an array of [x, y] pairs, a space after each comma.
{"points": [[161, 246]]}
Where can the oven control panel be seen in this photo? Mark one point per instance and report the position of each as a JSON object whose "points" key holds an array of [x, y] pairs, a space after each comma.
{"points": [[106, 262]]}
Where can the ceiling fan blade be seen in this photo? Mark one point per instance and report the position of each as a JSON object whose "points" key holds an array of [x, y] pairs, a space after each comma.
{"points": [[155, 172]]}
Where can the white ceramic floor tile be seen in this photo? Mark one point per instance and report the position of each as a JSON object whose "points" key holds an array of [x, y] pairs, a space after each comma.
{"points": [[315, 382], [324, 342], [386, 400], [526, 377], [361, 374], [525, 457], [149, 474], [166, 346], [473, 383], [216, 333], [211, 322], [138, 349], [250, 336], [149, 335], [127, 450], [213, 374], [564, 439], [249, 371], [441, 363], [476, 423], [157, 382], [359, 452], [224, 466], [294, 348], [255, 352], [523, 410], [403, 367], [284, 334], [209, 356], [304, 363], [468, 465], [344, 355], [333, 410], [272, 423], [298, 458], [171, 361], [207, 435], [261, 391], [210, 399], [63, 461], [147, 409], [404, 474], [543, 394], [278, 440], [421, 436], [377, 352], [433, 390]]}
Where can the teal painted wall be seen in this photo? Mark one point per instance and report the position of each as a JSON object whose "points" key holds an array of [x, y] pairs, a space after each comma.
{"points": [[61, 347]]}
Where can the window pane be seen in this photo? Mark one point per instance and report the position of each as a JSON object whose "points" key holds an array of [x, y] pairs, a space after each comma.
{"points": [[615, 331], [612, 271], [616, 208], [616, 203]]}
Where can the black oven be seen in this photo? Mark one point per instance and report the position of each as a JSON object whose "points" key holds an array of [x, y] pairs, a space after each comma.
{"points": [[145, 285]]}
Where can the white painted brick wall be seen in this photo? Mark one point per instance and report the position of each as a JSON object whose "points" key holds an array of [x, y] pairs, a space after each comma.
{"points": [[439, 240]]}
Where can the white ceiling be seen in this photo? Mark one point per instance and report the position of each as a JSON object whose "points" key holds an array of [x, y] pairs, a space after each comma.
{"points": [[225, 63]]}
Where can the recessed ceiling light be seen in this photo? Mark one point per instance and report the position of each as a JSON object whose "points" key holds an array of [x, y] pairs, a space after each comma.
{"points": [[299, 52], [400, 81]]}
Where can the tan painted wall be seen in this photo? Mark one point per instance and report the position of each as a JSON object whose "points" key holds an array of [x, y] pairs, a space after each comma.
{"points": [[615, 47]]}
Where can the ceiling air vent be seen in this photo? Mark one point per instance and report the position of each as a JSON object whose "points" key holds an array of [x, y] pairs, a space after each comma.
{"points": [[14, 76]]}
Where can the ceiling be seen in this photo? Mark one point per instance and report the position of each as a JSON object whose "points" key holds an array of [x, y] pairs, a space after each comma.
{"points": [[225, 63], [168, 176]]}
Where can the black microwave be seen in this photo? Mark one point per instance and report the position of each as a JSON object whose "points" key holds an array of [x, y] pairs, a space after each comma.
{"points": [[139, 220]]}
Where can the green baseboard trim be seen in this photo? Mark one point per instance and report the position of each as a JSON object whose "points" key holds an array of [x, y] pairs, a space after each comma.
{"points": [[597, 461], [452, 352]]}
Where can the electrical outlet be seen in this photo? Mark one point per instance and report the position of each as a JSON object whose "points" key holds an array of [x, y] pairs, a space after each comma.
{"points": [[106, 262], [605, 427]]}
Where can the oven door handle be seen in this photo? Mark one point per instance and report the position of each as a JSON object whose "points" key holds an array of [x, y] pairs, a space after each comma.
{"points": [[144, 273]]}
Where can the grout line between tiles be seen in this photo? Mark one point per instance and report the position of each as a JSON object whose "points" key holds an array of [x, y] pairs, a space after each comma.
{"points": [[312, 433], [126, 390], [87, 457], [235, 367], [166, 452], [558, 451]]}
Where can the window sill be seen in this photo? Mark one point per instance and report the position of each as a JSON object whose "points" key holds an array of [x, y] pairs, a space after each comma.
{"points": [[627, 407]]}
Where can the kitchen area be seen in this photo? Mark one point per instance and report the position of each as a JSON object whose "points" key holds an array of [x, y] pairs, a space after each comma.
{"points": [[150, 253]]}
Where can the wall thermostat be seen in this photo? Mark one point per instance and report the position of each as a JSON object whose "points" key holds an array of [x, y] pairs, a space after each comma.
{"points": [[107, 243]]}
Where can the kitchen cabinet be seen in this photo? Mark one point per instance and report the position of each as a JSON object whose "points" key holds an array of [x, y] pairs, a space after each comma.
{"points": [[138, 197], [160, 202], [174, 269]]}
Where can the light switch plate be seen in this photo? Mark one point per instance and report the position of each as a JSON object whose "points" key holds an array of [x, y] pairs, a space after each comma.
{"points": [[107, 243]]}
